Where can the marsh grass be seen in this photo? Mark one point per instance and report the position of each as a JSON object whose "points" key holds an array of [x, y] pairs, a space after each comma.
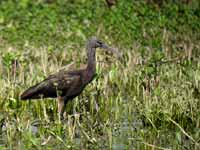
{"points": [[148, 100]]}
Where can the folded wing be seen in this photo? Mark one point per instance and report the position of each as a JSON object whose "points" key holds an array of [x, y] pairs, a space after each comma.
{"points": [[55, 85]]}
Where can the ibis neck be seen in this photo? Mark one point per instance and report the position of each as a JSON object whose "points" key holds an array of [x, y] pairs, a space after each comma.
{"points": [[91, 63]]}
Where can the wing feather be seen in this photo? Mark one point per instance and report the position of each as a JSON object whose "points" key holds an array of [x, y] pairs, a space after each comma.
{"points": [[54, 85]]}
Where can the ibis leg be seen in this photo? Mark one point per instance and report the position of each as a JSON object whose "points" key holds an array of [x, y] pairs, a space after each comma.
{"points": [[61, 107]]}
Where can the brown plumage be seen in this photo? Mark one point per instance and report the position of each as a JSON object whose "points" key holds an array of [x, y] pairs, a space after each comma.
{"points": [[65, 85]]}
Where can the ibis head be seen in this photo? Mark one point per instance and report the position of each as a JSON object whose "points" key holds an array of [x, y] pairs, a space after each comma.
{"points": [[94, 43]]}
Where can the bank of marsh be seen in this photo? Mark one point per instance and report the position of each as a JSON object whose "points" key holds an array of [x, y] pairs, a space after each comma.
{"points": [[148, 100]]}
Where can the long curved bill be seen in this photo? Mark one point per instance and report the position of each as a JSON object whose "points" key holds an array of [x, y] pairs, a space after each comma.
{"points": [[113, 50]]}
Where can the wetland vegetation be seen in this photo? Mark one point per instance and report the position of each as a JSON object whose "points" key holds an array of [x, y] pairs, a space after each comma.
{"points": [[148, 100]]}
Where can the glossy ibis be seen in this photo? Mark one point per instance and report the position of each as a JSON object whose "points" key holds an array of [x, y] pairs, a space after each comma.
{"points": [[65, 85]]}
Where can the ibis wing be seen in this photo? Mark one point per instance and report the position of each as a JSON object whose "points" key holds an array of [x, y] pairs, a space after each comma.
{"points": [[54, 85]]}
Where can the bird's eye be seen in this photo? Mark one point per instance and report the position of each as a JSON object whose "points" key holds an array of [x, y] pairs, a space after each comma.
{"points": [[99, 42]]}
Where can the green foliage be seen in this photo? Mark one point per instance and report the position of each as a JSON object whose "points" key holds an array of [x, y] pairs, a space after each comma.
{"points": [[148, 100], [8, 59]]}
